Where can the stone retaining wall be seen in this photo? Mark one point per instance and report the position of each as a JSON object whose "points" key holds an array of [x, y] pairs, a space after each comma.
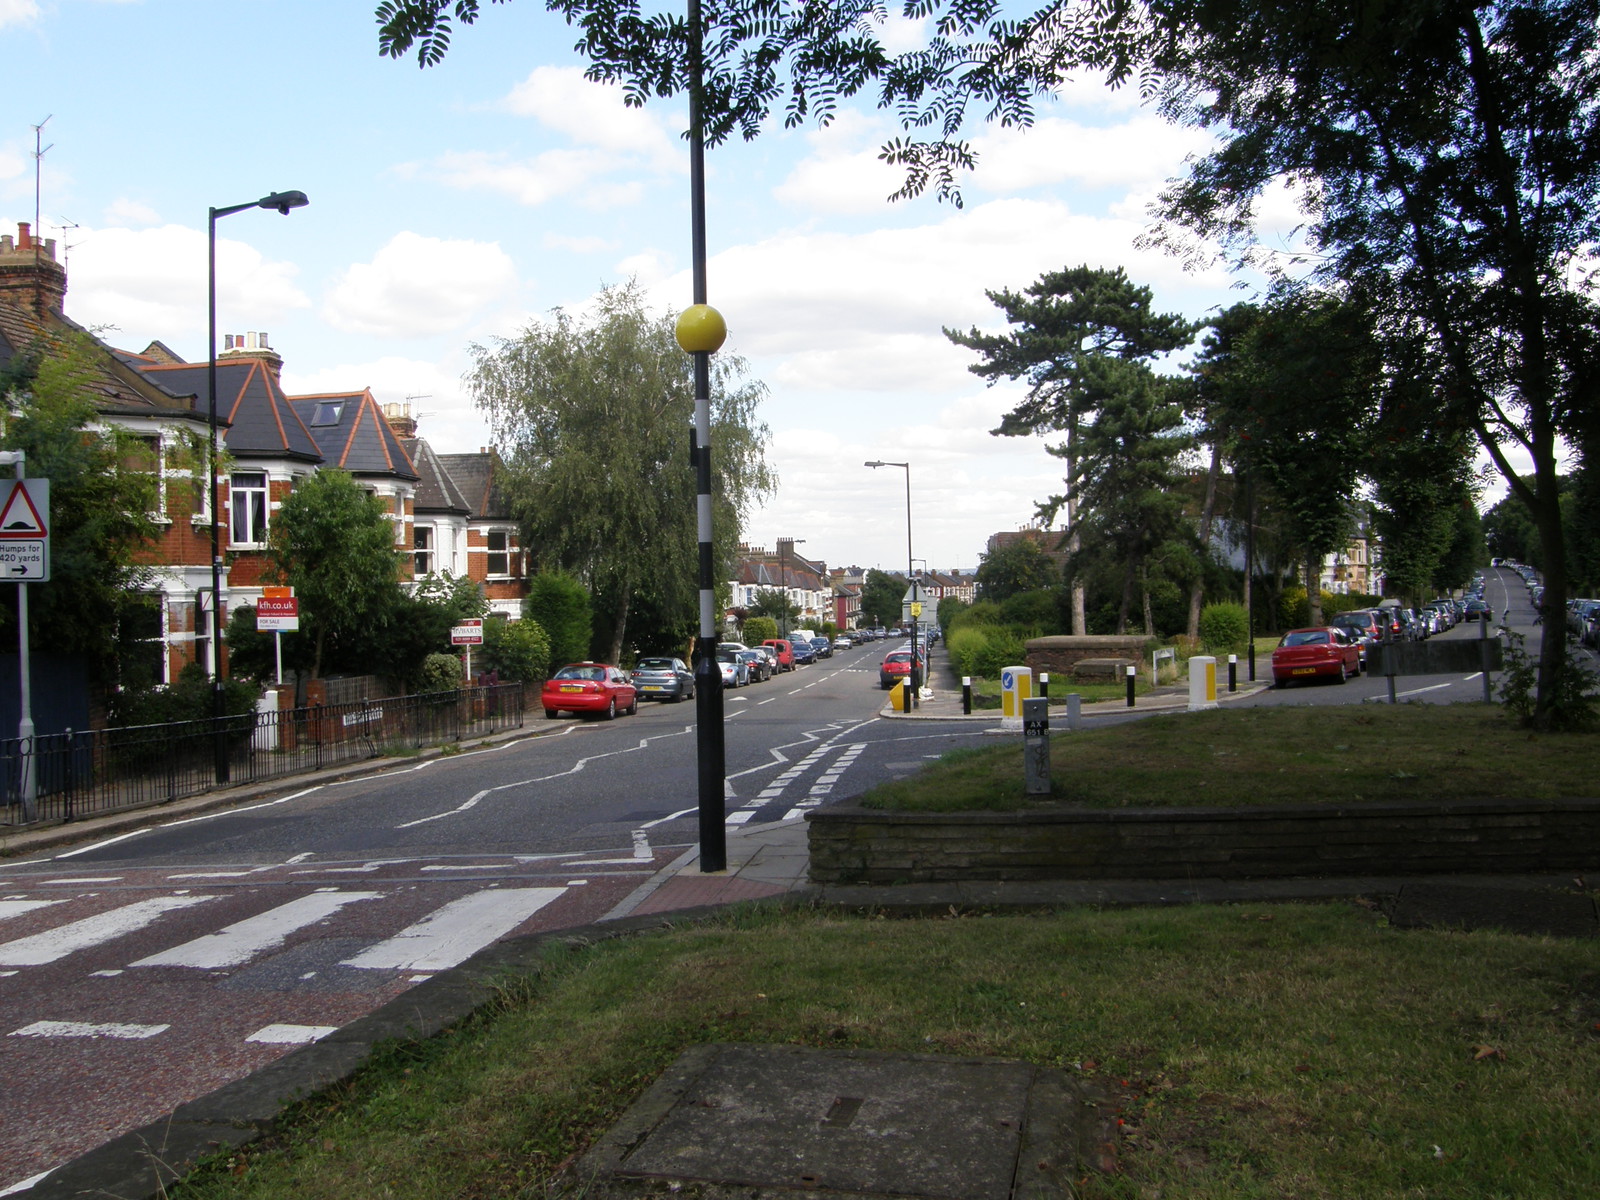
{"points": [[857, 845], [1058, 655]]}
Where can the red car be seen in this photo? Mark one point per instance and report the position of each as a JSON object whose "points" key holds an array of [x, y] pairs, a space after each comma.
{"points": [[784, 649], [1325, 650], [588, 687], [897, 666]]}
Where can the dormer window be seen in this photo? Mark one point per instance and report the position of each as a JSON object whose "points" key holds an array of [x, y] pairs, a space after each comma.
{"points": [[327, 412]]}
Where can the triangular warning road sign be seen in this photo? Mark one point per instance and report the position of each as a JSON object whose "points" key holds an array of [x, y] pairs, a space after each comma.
{"points": [[20, 517]]}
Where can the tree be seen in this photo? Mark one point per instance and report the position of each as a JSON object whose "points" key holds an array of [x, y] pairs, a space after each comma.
{"points": [[775, 603], [1085, 340], [1447, 155], [102, 500], [1296, 383], [882, 598], [560, 605], [1014, 567], [590, 415], [517, 650], [334, 544]]}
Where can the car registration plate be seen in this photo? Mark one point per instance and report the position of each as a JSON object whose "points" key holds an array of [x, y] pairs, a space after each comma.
{"points": [[571, 687], [1304, 671], [650, 687]]}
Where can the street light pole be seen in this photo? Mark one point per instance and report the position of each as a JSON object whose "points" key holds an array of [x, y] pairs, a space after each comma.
{"points": [[283, 202], [911, 578]]}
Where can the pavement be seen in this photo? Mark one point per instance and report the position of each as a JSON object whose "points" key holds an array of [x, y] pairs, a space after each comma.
{"points": [[766, 864]]}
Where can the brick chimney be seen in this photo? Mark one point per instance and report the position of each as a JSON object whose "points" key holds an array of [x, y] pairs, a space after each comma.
{"points": [[251, 345], [29, 273], [398, 415]]}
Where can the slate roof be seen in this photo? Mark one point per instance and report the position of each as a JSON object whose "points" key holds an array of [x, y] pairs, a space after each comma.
{"points": [[261, 421], [477, 477], [352, 433], [436, 490]]}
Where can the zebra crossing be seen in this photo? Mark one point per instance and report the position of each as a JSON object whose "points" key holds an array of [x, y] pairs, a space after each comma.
{"points": [[777, 791], [436, 941]]}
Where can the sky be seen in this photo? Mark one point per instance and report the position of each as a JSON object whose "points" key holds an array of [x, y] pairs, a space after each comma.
{"points": [[456, 205]]}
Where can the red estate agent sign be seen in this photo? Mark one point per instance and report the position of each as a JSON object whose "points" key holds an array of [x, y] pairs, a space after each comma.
{"points": [[278, 614], [468, 633]]}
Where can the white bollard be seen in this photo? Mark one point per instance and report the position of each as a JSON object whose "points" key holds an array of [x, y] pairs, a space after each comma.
{"points": [[1202, 682]]}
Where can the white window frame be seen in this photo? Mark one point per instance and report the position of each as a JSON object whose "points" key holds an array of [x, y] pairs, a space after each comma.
{"points": [[490, 553], [420, 553], [235, 494]]}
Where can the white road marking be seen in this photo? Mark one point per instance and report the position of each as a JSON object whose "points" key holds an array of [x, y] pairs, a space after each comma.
{"points": [[121, 837], [91, 931], [499, 866], [291, 1035], [15, 908], [298, 858], [641, 846], [472, 803], [1418, 691], [210, 874], [23, 1185], [443, 938], [81, 879], [243, 940], [112, 974], [82, 1029]]}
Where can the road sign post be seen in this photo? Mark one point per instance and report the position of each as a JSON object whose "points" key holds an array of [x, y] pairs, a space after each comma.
{"points": [[25, 558]]}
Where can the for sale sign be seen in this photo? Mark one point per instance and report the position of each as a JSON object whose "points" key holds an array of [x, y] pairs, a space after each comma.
{"points": [[468, 633], [278, 614]]}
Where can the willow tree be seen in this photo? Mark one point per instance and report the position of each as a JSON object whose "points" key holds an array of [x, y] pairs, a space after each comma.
{"points": [[592, 412]]}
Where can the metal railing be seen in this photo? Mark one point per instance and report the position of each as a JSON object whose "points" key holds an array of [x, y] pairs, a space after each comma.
{"points": [[109, 770]]}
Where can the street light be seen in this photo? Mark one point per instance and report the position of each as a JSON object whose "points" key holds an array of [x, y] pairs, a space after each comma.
{"points": [[916, 649], [283, 202], [783, 578]]}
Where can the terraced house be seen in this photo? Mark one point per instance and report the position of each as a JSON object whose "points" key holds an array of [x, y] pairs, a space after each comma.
{"points": [[447, 511]]}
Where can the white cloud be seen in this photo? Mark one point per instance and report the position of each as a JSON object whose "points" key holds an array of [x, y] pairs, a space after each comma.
{"points": [[17, 12], [842, 174], [592, 114], [419, 285], [543, 178], [1137, 154], [123, 211], [151, 283]]}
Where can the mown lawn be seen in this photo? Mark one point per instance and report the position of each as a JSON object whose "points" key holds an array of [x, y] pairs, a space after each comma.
{"points": [[1309, 1051], [1426, 753]]}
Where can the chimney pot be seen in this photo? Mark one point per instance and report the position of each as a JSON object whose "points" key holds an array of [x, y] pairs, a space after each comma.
{"points": [[24, 236]]}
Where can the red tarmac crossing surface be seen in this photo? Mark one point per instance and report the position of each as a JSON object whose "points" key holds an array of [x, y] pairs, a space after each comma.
{"points": [[124, 993]]}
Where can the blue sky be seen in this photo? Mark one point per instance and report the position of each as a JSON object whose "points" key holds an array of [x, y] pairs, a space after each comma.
{"points": [[454, 205]]}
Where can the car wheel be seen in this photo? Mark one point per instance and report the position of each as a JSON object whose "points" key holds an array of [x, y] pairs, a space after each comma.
{"points": [[1280, 683], [553, 713], [611, 709], [1344, 672], [633, 709]]}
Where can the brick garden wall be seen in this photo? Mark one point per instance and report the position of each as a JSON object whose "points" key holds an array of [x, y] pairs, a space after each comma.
{"points": [[862, 846], [1058, 655]]}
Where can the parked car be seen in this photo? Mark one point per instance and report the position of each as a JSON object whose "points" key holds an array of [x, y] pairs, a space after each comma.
{"points": [[784, 651], [842, 642], [1478, 607], [804, 655], [896, 666], [735, 670], [1323, 650], [822, 646], [771, 654], [1362, 629], [589, 687], [663, 679], [760, 665]]}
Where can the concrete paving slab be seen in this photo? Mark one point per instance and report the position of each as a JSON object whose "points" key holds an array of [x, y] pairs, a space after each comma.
{"points": [[787, 1120]]}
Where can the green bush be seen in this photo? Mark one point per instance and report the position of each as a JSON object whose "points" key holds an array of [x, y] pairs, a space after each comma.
{"points": [[984, 651], [560, 604], [187, 699], [1224, 628], [758, 630], [518, 650], [440, 673]]}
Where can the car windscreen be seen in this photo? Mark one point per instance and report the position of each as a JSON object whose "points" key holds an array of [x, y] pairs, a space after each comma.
{"points": [[1311, 637], [654, 664]]}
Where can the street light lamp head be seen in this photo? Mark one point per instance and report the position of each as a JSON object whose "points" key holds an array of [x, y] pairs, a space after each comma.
{"points": [[873, 464], [283, 201]]}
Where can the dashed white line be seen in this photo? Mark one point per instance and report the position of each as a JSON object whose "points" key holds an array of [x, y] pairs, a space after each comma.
{"points": [[290, 1035], [242, 941], [82, 1029], [54, 944]]}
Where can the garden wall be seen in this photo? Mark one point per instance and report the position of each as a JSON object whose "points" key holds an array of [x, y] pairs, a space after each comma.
{"points": [[1058, 655], [865, 846]]}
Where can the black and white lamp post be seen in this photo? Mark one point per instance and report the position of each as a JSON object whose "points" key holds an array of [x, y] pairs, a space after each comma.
{"points": [[701, 332], [283, 202], [911, 578]]}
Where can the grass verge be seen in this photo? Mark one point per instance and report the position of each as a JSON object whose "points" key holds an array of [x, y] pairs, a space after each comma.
{"points": [[1422, 753], [1302, 1050]]}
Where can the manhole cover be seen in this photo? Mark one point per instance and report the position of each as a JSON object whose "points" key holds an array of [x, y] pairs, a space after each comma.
{"points": [[786, 1119]]}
